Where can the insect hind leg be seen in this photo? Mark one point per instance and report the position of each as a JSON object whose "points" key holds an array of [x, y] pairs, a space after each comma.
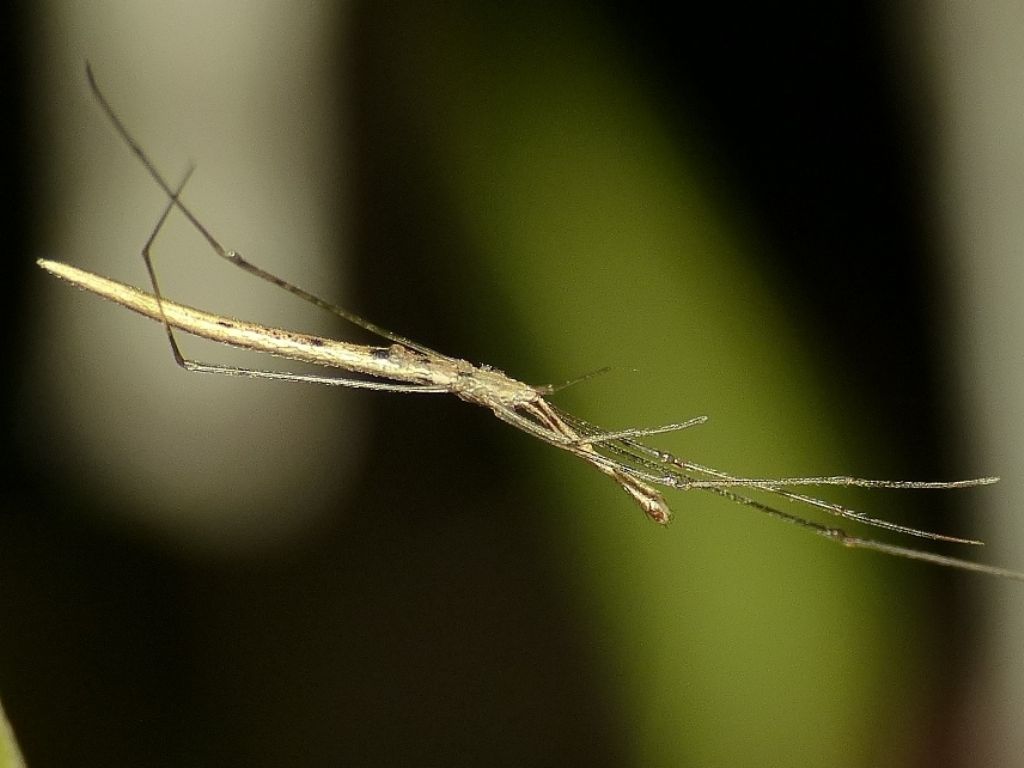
{"points": [[147, 259], [231, 256]]}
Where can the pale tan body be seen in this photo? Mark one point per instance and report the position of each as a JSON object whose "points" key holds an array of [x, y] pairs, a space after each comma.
{"points": [[509, 399], [406, 366]]}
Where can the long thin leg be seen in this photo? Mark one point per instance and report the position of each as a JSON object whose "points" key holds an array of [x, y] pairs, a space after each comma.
{"points": [[840, 536], [233, 256], [537, 425], [253, 373], [836, 535], [605, 437], [721, 481], [776, 487], [662, 468], [630, 449], [550, 389]]}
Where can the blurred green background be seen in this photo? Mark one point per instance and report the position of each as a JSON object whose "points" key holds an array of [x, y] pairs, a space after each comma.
{"points": [[728, 209]]}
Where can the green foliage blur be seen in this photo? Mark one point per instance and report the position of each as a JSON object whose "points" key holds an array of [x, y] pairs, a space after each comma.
{"points": [[602, 238]]}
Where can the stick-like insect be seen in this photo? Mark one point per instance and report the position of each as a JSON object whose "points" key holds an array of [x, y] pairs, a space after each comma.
{"points": [[406, 366]]}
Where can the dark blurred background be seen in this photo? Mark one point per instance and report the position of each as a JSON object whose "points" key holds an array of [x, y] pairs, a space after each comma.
{"points": [[449, 597]]}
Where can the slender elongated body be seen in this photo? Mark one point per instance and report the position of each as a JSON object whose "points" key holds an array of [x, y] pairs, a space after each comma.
{"points": [[511, 400], [406, 366]]}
